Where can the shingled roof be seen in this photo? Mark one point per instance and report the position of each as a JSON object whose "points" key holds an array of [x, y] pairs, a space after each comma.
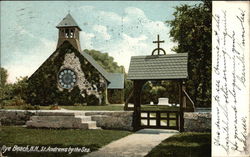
{"points": [[159, 67], [68, 21], [116, 80], [91, 60]]}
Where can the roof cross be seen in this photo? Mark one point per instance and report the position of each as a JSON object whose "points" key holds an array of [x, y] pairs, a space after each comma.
{"points": [[158, 49]]}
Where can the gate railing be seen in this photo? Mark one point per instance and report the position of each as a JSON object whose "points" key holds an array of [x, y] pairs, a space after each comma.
{"points": [[159, 119]]}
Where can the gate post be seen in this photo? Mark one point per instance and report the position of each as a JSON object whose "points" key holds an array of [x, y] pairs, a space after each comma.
{"points": [[137, 104], [181, 127], [184, 96]]}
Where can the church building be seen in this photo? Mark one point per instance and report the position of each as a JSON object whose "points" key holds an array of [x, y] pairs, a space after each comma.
{"points": [[71, 76]]}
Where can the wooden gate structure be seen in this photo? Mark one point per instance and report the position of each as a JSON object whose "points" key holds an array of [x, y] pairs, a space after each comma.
{"points": [[158, 67]]}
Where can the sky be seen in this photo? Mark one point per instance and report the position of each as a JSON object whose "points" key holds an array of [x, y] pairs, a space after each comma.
{"points": [[120, 28]]}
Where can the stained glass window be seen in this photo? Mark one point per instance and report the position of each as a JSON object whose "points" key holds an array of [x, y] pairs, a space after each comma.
{"points": [[67, 78]]}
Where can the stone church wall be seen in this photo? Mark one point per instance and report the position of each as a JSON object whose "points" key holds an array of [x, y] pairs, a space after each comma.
{"points": [[44, 89], [71, 61]]}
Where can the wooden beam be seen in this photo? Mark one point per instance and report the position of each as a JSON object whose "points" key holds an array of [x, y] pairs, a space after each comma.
{"points": [[137, 104], [181, 127], [187, 96], [184, 95]]}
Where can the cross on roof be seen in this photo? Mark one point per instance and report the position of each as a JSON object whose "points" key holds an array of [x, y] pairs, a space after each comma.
{"points": [[158, 46], [158, 41]]}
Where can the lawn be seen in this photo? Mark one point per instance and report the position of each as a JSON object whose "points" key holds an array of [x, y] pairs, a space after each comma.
{"points": [[184, 145], [79, 107], [158, 108], [111, 107], [93, 139]]}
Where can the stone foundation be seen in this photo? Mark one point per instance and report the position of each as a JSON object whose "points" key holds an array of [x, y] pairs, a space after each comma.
{"points": [[15, 117], [61, 120], [197, 121], [121, 120]]}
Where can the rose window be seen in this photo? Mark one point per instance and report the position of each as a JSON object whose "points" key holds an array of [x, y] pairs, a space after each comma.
{"points": [[67, 78]]}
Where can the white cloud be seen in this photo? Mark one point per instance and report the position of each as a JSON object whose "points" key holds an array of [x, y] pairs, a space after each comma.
{"points": [[110, 16], [28, 63], [16, 71], [134, 41], [102, 31], [133, 15], [136, 35], [128, 47], [23, 31], [135, 12], [86, 40], [86, 8]]}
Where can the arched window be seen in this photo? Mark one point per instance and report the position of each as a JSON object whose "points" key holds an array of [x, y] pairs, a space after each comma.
{"points": [[67, 33], [71, 35]]}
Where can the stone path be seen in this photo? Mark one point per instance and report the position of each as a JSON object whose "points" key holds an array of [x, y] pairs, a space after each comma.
{"points": [[135, 145]]}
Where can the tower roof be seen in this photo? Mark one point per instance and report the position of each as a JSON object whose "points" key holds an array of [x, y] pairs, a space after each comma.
{"points": [[68, 21]]}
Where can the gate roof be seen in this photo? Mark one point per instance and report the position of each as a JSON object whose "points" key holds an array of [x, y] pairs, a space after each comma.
{"points": [[159, 67]]}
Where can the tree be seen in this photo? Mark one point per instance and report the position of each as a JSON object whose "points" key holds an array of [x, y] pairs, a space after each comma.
{"points": [[4, 89], [19, 88], [191, 29], [12, 94], [153, 90], [3, 76], [106, 61]]}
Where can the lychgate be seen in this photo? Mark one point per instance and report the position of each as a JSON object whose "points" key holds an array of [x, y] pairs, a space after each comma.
{"points": [[158, 67]]}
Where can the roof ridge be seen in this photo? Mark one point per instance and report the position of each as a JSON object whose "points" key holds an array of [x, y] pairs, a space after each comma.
{"points": [[162, 56]]}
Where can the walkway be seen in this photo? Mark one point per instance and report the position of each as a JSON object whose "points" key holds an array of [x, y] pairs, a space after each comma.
{"points": [[135, 145]]}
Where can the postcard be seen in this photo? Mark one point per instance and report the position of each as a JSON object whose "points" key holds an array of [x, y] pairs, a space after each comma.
{"points": [[124, 78]]}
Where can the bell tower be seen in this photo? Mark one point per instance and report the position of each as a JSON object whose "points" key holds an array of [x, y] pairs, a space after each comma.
{"points": [[69, 30]]}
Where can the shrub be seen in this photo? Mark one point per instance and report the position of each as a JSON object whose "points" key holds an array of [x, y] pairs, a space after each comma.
{"points": [[80, 104], [16, 101], [115, 96], [30, 107], [92, 100], [54, 107]]}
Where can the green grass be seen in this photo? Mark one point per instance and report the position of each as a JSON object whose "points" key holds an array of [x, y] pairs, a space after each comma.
{"points": [[93, 139], [93, 108], [184, 145], [20, 107], [158, 108], [112, 107], [101, 108]]}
